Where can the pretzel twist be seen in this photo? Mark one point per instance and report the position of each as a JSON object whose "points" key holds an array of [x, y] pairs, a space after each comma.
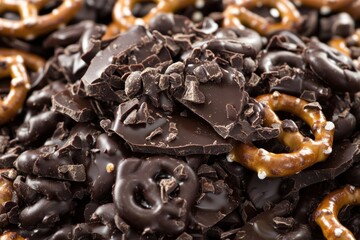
{"points": [[31, 23], [238, 13], [330, 4], [123, 18], [304, 151], [328, 210], [340, 43], [12, 62]]}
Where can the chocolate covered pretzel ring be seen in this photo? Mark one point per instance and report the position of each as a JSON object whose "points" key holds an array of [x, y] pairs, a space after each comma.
{"points": [[31, 23], [327, 4], [12, 62], [328, 210], [159, 187], [304, 151], [238, 13], [123, 18]]}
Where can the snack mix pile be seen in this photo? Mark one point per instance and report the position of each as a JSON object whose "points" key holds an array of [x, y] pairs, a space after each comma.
{"points": [[180, 119]]}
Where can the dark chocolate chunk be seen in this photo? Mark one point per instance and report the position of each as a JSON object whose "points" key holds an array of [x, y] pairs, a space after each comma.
{"points": [[193, 135], [74, 106]]}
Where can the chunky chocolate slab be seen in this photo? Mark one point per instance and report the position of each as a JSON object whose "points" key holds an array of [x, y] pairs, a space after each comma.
{"points": [[177, 134]]}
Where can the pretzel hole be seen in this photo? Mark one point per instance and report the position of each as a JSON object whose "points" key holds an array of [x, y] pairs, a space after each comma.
{"points": [[49, 7], [11, 15], [5, 86], [272, 145], [303, 127], [140, 199], [270, 13], [141, 9]]}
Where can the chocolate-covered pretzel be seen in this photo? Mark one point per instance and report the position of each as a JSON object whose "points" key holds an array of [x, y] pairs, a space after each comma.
{"points": [[161, 188], [328, 210], [31, 23], [124, 19], [333, 67], [13, 63], [304, 151], [238, 13]]}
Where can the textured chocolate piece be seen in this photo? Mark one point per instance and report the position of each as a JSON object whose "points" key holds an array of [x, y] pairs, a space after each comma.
{"points": [[191, 137], [72, 105], [101, 171], [94, 79]]}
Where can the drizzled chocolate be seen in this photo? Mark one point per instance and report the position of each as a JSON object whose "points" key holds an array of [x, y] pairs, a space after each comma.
{"points": [[129, 137]]}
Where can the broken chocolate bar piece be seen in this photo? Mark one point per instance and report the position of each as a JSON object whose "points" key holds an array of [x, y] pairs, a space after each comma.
{"points": [[175, 135]]}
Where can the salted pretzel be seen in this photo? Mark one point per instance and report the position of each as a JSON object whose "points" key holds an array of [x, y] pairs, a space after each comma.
{"points": [[238, 14], [13, 62], [304, 151], [31, 23], [323, 4], [340, 43], [123, 18], [328, 210], [11, 236]]}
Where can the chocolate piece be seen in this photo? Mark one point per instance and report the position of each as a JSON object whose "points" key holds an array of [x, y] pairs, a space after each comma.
{"points": [[193, 136], [39, 127], [160, 188], [101, 171], [74, 106], [43, 213], [100, 69]]}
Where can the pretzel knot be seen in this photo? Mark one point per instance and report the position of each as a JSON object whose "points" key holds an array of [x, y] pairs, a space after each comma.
{"points": [[328, 210], [340, 43], [304, 151], [238, 13], [31, 23], [12, 63], [123, 18]]}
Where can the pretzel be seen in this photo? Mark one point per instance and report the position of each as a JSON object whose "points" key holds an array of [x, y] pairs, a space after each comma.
{"points": [[304, 151], [12, 62], [123, 18], [11, 236], [328, 210], [238, 13], [325, 4], [31, 23], [6, 189], [340, 43]]}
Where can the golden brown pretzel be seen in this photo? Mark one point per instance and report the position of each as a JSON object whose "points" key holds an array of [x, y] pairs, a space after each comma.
{"points": [[31, 23], [11, 236], [12, 62], [328, 210], [304, 151], [238, 13], [123, 18], [340, 43], [330, 4]]}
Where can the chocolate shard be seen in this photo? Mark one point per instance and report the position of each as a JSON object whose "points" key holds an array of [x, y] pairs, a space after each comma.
{"points": [[97, 75], [74, 106], [193, 136]]}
